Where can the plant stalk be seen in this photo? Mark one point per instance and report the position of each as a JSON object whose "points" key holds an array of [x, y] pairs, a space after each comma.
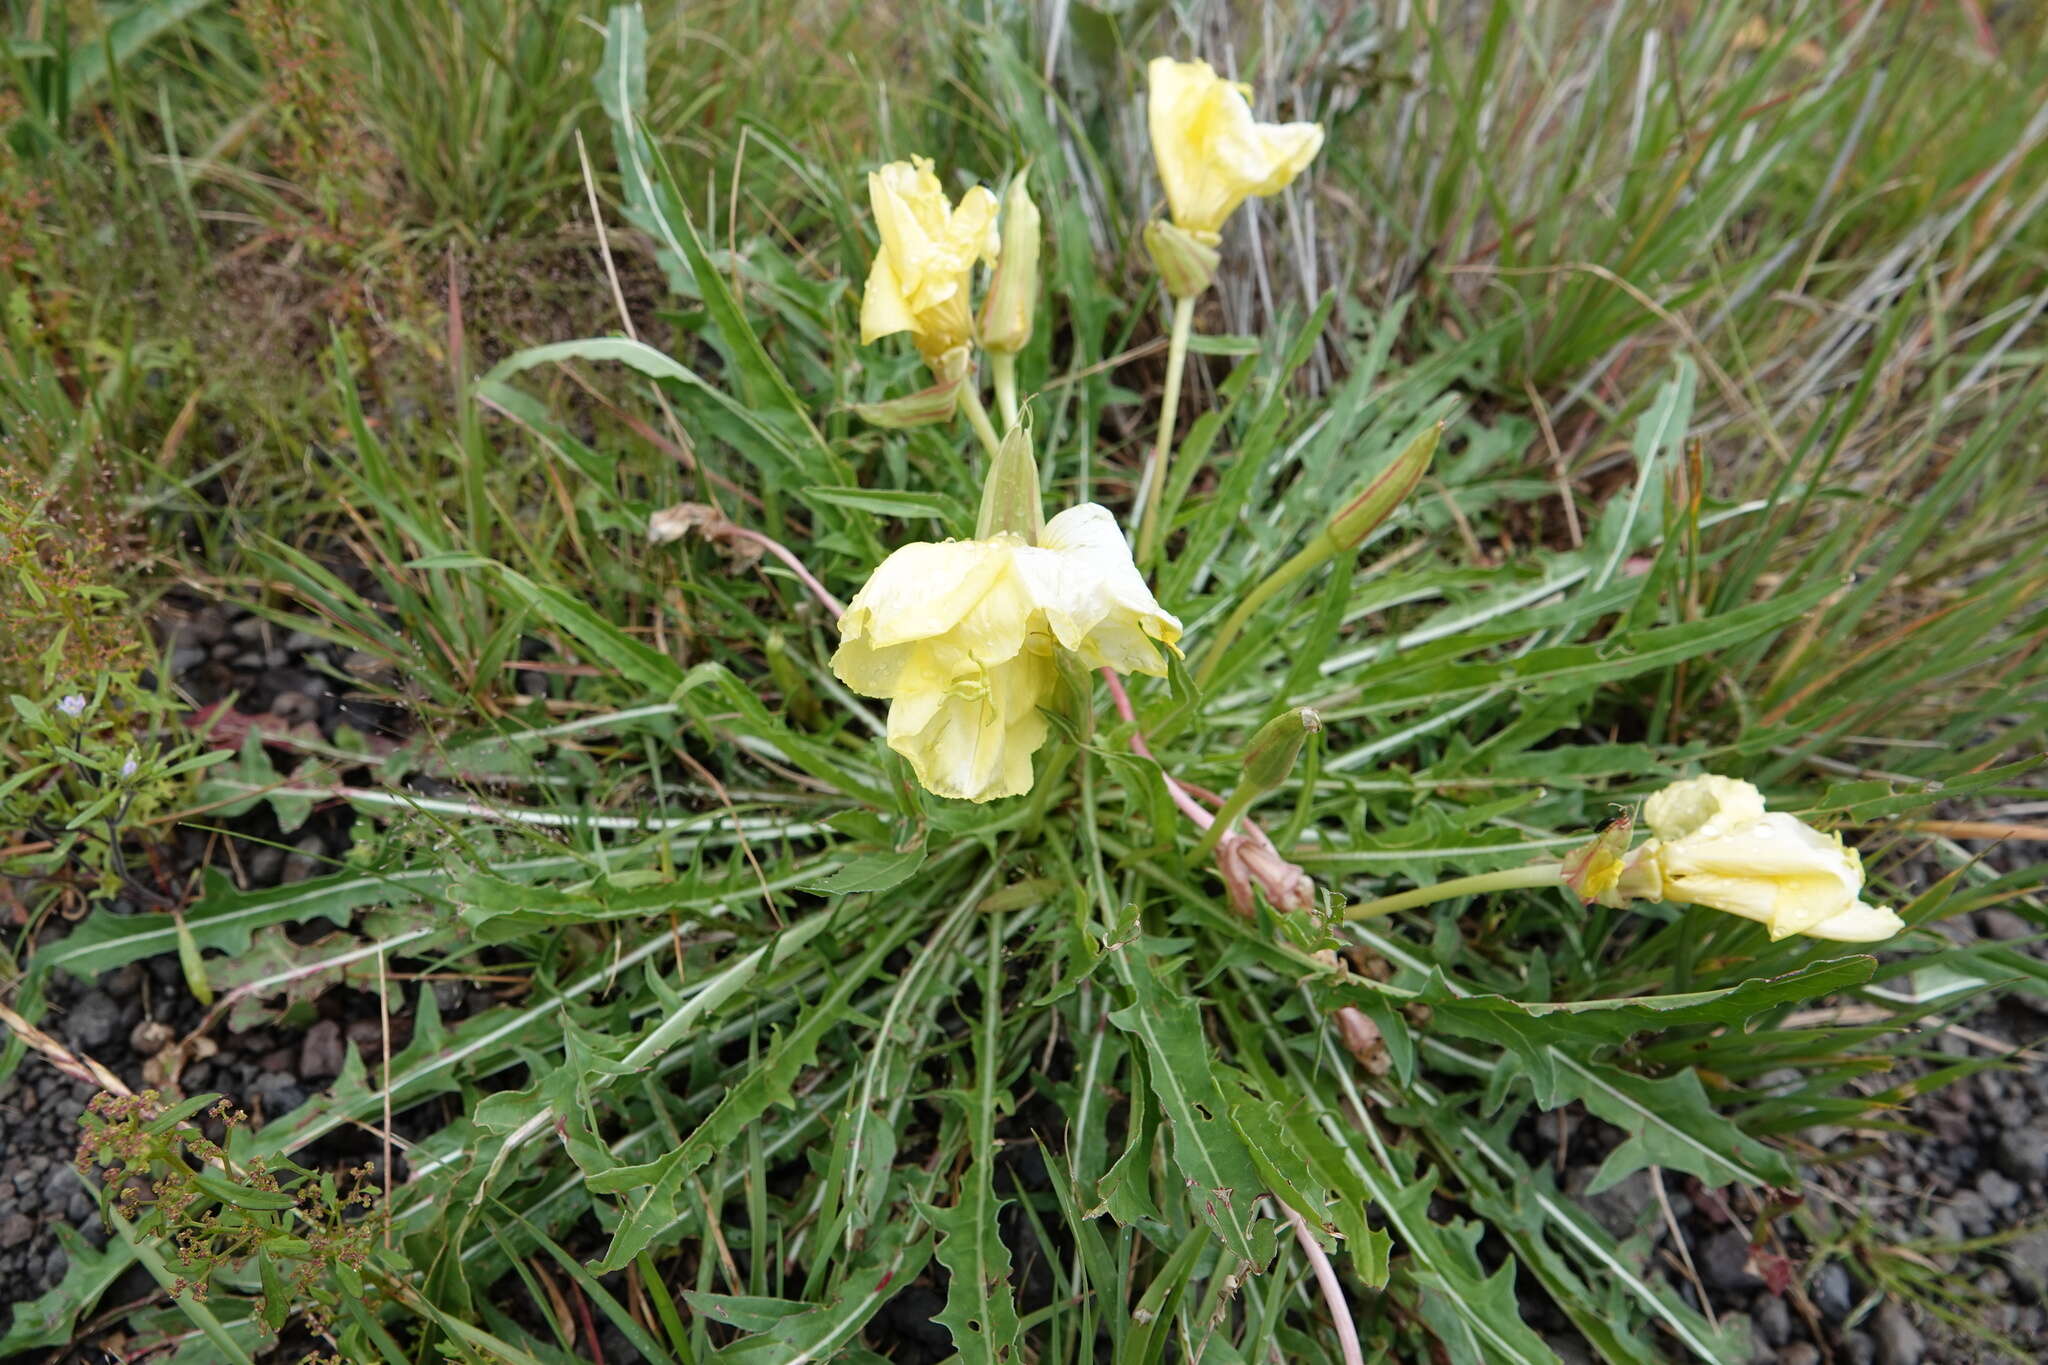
{"points": [[1508, 879], [977, 417], [1169, 415], [1238, 802], [1003, 368], [1343, 534]]}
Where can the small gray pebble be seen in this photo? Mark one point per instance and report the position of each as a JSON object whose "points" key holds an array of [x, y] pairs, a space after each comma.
{"points": [[264, 865], [1780, 1082], [1724, 1262], [2022, 1151], [279, 1093], [2028, 1259], [1799, 1353], [2003, 925], [1569, 1350], [15, 1229], [1972, 1212], [321, 1052], [1833, 1293], [1898, 1341], [308, 858], [1772, 1317], [93, 1022], [1998, 1192]]}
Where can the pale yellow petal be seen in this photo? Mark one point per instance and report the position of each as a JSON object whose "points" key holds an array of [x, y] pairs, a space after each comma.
{"points": [[973, 232], [924, 589], [1692, 804], [1094, 599], [1719, 848], [910, 213], [1860, 923], [975, 742], [883, 310]]}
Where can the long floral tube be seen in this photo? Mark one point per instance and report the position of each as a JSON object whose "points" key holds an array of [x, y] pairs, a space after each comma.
{"points": [[1508, 879], [1189, 806], [1245, 856], [1332, 1289], [792, 563]]}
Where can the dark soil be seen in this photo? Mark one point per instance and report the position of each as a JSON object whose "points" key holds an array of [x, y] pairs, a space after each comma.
{"points": [[1975, 1165]]}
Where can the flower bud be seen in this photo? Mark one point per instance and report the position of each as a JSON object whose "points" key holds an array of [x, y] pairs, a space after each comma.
{"points": [[1009, 496], [1380, 497], [1270, 757], [1594, 870], [935, 404], [1187, 265], [1006, 315]]}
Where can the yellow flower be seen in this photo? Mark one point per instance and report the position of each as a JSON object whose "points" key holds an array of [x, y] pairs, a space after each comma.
{"points": [[959, 637], [1715, 845], [921, 276], [1212, 154]]}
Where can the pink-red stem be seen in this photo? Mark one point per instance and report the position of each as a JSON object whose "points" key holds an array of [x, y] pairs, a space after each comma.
{"points": [[1333, 1292], [1189, 807], [795, 565]]}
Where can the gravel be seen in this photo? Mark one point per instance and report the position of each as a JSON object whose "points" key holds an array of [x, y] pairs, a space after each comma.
{"points": [[1724, 1262], [1834, 1294], [322, 1052], [93, 1022], [2027, 1258], [1772, 1318], [1898, 1341], [1998, 1192], [2022, 1150]]}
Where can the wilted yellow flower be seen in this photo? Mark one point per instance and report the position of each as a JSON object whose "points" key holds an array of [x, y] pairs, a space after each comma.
{"points": [[959, 637], [921, 278], [1714, 844], [1212, 153]]}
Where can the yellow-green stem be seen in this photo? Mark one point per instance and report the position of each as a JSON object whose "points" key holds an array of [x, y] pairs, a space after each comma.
{"points": [[1149, 532], [1508, 879], [1003, 368], [1342, 534], [1266, 591], [1238, 803], [977, 417]]}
